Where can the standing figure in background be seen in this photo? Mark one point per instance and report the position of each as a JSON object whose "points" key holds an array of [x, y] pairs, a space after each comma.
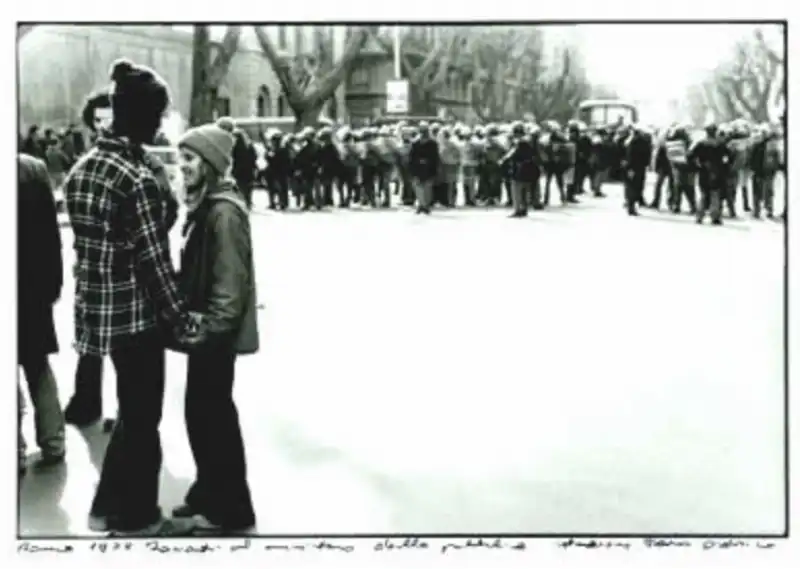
{"points": [[677, 146], [471, 156], [450, 158], [709, 157], [638, 150], [244, 165], [40, 275], [663, 170], [423, 165]]}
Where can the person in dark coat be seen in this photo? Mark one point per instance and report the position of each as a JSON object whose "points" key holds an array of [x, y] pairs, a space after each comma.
{"points": [[423, 165], [40, 275], [218, 278], [244, 165], [637, 157], [521, 162], [711, 159]]}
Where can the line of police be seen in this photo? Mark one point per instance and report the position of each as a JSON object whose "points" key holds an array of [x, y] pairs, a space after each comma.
{"points": [[427, 163]]}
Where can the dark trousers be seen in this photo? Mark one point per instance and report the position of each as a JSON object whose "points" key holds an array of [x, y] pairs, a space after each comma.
{"points": [[87, 400], [664, 177], [634, 188], [763, 193], [558, 174], [128, 489], [220, 491], [519, 195], [711, 199]]}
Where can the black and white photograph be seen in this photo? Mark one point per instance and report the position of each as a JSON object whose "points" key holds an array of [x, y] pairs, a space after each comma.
{"points": [[376, 278]]}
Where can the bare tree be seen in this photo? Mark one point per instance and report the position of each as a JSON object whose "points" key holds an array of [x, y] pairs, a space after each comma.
{"points": [[209, 71], [512, 76], [309, 82], [749, 84]]}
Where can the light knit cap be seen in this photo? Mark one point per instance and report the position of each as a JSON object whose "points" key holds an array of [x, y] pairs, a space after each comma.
{"points": [[213, 142]]}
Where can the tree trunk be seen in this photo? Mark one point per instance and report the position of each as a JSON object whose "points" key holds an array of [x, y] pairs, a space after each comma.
{"points": [[202, 106], [208, 75], [307, 116]]}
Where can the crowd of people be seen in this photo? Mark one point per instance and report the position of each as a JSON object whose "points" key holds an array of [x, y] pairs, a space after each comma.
{"points": [[131, 304], [515, 163]]}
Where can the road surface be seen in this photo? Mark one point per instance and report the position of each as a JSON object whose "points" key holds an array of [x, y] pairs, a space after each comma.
{"points": [[575, 371]]}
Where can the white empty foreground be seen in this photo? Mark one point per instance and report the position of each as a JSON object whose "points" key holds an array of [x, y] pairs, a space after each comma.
{"points": [[576, 371]]}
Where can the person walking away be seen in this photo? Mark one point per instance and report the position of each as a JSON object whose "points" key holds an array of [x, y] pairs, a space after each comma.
{"points": [[471, 150], [493, 154], [423, 165], [731, 171], [521, 160], [402, 149], [551, 142], [603, 156], [244, 165], [637, 158], [709, 158], [450, 158], [330, 165], [764, 163], [218, 279], [386, 165], [127, 300], [663, 170], [39, 280], [677, 147]]}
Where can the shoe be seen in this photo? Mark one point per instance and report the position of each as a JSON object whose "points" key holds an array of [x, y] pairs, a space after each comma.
{"points": [[49, 460], [184, 527], [82, 415], [204, 526]]}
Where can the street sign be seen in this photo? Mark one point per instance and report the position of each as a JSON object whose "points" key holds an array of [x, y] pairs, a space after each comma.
{"points": [[397, 96]]}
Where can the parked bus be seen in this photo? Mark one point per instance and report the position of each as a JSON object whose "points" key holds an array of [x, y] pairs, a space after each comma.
{"points": [[602, 112]]}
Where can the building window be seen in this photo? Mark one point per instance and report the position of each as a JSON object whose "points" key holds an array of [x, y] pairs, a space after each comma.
{"points": [[359, 77], [282, 37], [263, 102], [282, 106]]}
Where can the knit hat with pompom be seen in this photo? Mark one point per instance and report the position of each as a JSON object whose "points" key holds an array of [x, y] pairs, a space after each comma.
{"points": [[137, 90], [213, 142]]}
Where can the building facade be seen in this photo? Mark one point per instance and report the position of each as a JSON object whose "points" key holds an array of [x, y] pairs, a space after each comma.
{"points": [[365, 91], [60, 65]]}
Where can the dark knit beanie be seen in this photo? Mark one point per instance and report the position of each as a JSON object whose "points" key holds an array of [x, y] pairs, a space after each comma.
{"points": [[137, 93]]}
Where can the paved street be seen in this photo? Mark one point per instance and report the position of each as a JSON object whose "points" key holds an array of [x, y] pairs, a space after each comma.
{"points": [[575, 371]]}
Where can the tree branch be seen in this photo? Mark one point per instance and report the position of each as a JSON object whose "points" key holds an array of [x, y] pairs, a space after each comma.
{"points": [[326, 85], [227, 49], [293, 95]]}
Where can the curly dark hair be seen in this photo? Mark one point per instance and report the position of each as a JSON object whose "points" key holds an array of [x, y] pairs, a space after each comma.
{"points": [[98, 100]]}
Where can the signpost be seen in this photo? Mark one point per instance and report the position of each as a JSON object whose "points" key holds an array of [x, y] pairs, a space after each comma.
{"points": [[397, 96]]}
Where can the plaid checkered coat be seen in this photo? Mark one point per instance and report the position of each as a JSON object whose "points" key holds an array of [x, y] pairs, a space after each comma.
{"points": [[125, 281]]}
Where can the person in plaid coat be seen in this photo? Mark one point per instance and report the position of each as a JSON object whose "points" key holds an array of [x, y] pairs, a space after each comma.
{"points": [[85, 407], [127, 300]]}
